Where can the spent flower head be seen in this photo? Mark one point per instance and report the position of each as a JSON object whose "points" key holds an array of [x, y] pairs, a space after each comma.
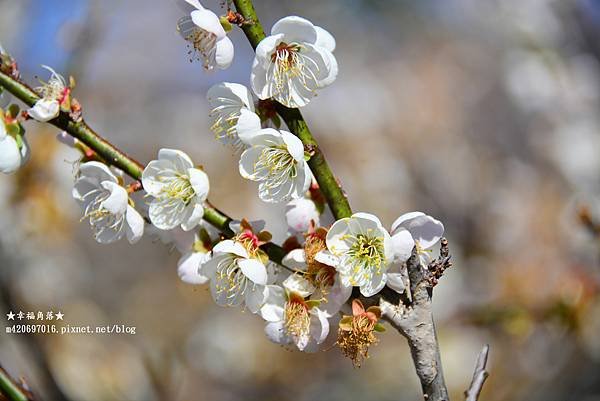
{"points": [[356, 333]]}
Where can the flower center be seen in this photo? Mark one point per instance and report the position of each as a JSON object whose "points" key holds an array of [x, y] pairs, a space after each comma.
{"points": [[276, 165], [231, 281], [178, 188], [297, 319], [288, 63], [100, 218], [319, 274], [366, 255], [226, 116], [203, 47]]}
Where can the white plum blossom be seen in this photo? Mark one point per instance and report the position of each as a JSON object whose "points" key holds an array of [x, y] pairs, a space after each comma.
{"points": [[299, 213], [237, 276], [276, 160], [364, 250], [206, 36], [13, 153], [106, 204], [293, 320], [179, 190], [232, 114], [293, 62], [424, 230], [53, 94]]}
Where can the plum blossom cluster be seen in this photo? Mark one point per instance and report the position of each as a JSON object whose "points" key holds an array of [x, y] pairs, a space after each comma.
{"points": [[299, 297]]}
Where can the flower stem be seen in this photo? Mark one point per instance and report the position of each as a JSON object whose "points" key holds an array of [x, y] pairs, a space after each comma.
{"points": [[331, 189]]}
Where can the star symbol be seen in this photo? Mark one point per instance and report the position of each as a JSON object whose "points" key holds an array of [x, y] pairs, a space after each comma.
{"points": [[59, 315], [10, 315]]}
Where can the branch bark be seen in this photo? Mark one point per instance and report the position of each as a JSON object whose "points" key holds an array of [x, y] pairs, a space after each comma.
{"points": [[479, 376], [414, 320]]}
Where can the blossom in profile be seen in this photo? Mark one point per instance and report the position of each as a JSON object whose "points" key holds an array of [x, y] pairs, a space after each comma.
{"points": [[14, 149], [178, 188], [277, 162], [294, 62], [106, 205], [54, 94], [232, 114], [206, 36], [424, 229]]}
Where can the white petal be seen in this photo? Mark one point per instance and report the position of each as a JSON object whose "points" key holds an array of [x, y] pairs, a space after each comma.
{"points": [[96, 171], [367, 218], [276, 333], [180, 160], [402, 245], [188, 268], [325, 39], [207, 20], [224, 53], [373, 286], [228, 90], [44, 110], [229, 246], [258, 80], [327, 258], [298, 284], [248, 160], [319, 325], [424, 229], [256, 297], [200, 183], [134, 228], [248, 125], [254, 270], [10, 157], [294, 145], [166, 217], [2, 129], [194, 218], [404, 218], [337, 296], [265, 49], [273, 309], [295, 29], [151, 176], [336, 243], [395, 282], [299, 213], [116, 203], [295, 260]]}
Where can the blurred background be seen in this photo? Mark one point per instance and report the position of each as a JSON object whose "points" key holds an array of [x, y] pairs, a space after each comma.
{"points": [[482, 113]]}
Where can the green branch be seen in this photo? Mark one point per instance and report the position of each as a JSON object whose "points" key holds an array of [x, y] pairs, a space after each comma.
{"points": [[109, 153], [11, 389], [331, 189]]}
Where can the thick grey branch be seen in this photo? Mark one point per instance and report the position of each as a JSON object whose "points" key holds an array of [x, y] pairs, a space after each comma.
{"points": [[479, 376], [415, 322]]}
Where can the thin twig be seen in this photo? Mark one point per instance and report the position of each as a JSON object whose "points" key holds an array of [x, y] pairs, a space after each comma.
{"points": [[13, 390], [479, 375]]}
